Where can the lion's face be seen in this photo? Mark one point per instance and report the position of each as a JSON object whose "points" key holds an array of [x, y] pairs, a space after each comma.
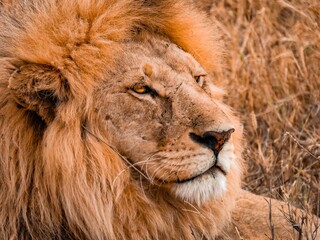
{"points": [[84, 82], [162, 115]]}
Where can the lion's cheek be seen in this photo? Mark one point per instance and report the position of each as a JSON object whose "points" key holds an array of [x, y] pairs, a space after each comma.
{"points": [[132, 130]]}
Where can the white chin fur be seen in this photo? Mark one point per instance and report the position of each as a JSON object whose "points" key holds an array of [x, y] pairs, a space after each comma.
{"points": [[202, 188], [208, 186]]}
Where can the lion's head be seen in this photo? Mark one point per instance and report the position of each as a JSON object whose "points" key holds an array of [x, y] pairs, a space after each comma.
{"points": [[163, 114], [105, 139]]}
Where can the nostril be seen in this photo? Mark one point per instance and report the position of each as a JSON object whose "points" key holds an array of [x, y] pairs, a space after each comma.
{"points": [[213, 139], [198, 139]]}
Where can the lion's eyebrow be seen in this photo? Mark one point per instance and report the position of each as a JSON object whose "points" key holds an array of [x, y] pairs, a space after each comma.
{"points": [[130, 69]]}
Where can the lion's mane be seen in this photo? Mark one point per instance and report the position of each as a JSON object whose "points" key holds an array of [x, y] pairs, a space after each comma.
{"points": [[56, 180]]}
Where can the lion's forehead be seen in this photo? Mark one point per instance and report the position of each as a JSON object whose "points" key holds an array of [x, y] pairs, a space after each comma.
{"points": [[160, 54], [168, 65]]}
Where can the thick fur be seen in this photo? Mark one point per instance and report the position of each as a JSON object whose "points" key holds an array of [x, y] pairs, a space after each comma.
{"points": [[59, 177], [75, 132]]}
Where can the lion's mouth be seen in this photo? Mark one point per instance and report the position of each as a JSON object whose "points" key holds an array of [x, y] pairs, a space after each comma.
{"points": [[211, 171]]}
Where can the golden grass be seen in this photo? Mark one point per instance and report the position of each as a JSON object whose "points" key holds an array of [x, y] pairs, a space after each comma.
{"points": [[273, 81]]}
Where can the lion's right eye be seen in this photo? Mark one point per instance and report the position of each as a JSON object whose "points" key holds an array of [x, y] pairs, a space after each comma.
{"points": [[143, 89]]}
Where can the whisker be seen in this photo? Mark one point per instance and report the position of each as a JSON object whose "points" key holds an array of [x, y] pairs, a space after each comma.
{"points": [[145, 162], [115, 150], [196, 210], [173, 173]]}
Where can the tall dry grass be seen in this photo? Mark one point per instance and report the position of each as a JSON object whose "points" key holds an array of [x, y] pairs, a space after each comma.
{"points": [[273, 80]]}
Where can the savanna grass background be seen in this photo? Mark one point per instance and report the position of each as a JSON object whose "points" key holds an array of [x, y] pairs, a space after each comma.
{"points": [[272, 78]]}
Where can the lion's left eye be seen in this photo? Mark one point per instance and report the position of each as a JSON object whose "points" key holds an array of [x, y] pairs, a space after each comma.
{"points": [[199, 79]]}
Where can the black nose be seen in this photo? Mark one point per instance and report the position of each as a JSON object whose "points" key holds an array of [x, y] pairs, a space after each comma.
{"points": [[212, 139]]}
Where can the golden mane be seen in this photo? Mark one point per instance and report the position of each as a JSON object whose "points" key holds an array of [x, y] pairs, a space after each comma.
{"points": [[62, 182], [60, 178]]}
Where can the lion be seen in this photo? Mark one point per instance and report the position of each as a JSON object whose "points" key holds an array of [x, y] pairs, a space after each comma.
{"points": [[112, 127]]}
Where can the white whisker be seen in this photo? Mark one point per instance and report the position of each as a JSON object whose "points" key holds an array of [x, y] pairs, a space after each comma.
{"points": [[116, 151]]}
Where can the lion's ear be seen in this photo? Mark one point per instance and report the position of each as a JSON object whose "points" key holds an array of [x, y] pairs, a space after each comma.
{"points": [[39, 88]]}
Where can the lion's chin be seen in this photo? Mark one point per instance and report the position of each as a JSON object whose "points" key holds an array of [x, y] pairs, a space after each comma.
{"points": [[201, 189]]}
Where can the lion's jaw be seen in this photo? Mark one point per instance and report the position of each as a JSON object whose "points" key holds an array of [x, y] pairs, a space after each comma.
{"points": [[211, 183], [155, 134]]}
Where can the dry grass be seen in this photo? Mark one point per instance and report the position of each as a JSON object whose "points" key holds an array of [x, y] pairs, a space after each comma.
{"points": [[273, 80]]}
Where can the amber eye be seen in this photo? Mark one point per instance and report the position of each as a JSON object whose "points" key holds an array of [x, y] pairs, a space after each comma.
{"points": [[140, 89], [143, 89]]}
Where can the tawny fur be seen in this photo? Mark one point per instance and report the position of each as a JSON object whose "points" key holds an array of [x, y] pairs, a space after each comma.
{"points": [[54, 182], [59, 176]]}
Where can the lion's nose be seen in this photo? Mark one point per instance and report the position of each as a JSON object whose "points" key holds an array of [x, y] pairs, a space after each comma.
{"points": [[213, 139]]}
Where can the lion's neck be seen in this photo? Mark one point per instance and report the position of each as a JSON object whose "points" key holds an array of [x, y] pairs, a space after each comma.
{"points": [[154, 213]]}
